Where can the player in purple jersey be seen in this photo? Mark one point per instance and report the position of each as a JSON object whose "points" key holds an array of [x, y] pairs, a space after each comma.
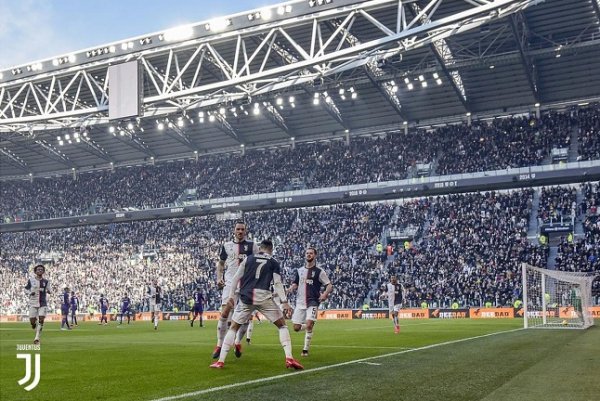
{"points": [[74, 307], [125, 309], [37, 289], [65, 303], [103, 302], [254, 277], [199, 302]]}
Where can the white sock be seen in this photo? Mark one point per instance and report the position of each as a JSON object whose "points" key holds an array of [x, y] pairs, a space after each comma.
{"points": [[156, 321], [240, 333], [250, 329], [38, 330], [286, 341], [307, 340], [221, 331], [227, 343]]}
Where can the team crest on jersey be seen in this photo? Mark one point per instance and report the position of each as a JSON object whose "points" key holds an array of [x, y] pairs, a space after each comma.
{"points": [[245, 248]]}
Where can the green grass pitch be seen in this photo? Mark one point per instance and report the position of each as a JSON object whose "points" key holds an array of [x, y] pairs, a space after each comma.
{"points": [[350, 360]]}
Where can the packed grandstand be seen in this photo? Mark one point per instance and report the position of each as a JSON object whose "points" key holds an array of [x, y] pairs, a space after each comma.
{"points": [[464, 248], [417, 115]]}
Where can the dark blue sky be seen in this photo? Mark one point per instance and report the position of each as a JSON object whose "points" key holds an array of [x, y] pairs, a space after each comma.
{"points": [[38, 29]]}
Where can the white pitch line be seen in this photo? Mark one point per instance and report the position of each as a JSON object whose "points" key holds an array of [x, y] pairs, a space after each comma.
{"points": [[334, 346], [370, 363], [389, 326], [336, 365]]}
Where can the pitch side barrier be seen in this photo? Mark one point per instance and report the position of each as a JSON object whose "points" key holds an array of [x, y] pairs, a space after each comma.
{"points": [[425, 186], [566, 312]]}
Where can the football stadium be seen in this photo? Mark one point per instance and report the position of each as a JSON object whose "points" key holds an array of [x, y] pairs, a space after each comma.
{"points": [[317, 199]]}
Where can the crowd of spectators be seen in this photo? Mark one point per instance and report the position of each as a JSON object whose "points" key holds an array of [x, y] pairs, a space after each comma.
{"points": [[502, 143], [124, 258], [557, 204], [589, 133], [468, 250], [471, 251], [483, 146], [314, 165], [582, 254]]}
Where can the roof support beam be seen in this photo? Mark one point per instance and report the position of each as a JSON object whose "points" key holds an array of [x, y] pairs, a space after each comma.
{"points": [[329, 106], [15, 160], [520, 31], [133, 141], [326, 102], [276, 118], [454, 79], [224, 126], [596, 5], [85, 142], [51, 152], [179, 135], [374, 72], [55, 154], [255, 71], [443, 54]]}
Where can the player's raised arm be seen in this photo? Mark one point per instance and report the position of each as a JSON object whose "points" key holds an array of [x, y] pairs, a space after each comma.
{"points": [[280, 291], [239, 273], [28, 287], [295, 282], [221, 267]]}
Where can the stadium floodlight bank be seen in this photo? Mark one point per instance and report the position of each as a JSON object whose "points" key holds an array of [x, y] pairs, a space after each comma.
{"points": [[556, 299]]}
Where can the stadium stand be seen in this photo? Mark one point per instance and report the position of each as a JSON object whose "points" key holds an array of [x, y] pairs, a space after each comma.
{"points": [[589, 133], [484, 146]]}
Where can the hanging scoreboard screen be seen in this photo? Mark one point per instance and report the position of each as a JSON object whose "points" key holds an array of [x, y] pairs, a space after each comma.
{"points": [[124, 90]]}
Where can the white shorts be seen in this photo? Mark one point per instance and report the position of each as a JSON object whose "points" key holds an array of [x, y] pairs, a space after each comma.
{"points": [[37, 311], [395, 308], [268, 308], [301, 315], [154, 307], [225, 293]]}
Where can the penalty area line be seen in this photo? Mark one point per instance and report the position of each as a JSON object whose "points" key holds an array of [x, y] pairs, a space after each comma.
{"points": [[336, 365]]}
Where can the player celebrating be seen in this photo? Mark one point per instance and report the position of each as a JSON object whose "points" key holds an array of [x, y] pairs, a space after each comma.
{"points": [[103, 302], [254, 275], [155, 294], [74, 307], [125, 308], [64, 309], [395, 293], [231, 255], [37, 289], [308, 281], [199, 302]]}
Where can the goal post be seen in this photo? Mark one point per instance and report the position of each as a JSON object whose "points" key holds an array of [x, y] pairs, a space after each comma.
{"points": [[556, 299]]}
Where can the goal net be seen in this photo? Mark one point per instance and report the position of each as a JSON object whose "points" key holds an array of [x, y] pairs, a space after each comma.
{"points": [[556, 299]]}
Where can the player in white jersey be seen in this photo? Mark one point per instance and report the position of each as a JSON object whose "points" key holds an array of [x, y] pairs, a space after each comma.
{"points": [[154, 294], [308, 281], [394, 295], [37, 289], [231, 254], [255, 275]]}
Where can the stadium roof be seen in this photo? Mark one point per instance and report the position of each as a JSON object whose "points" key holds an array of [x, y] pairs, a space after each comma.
{"points": [[296, 71]]}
